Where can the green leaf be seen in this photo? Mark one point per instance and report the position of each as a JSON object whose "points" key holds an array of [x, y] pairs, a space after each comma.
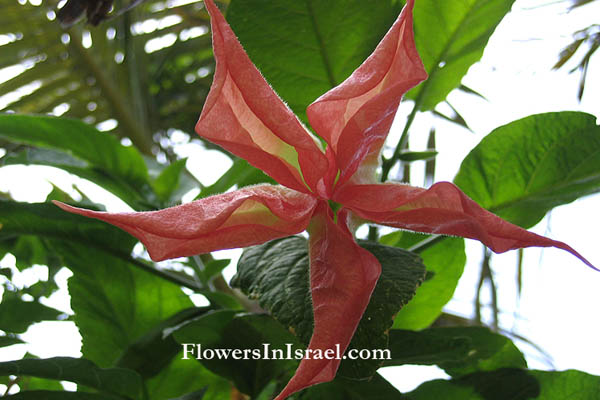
{"points": [[27, 383], [220, 331], [58, 395], [525, 168], [343, 389], [169, 180], [6, 341], [409, 156], [154, 350], [457, 350], [513, 384], [446, 260], [184, 376], [241, 174], [93, 149], [114, 380], [16, 315], [197, 395], [276, 273], [66, 162], [29, 250], [212, 268], [116, 304], [49, 221], [425, 348], [450, 37], [489, 351], [304, 47]]}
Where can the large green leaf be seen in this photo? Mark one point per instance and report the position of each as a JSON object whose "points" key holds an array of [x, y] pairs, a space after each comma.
{"points": [[16, 315], [276, 273], [525, 168], [91, 149], [450, 37], [251, 370], [444, 260], [81, 140], [116, 304], [459, 351], [182, 377], [155, 350], [512, 384], [305, 47], [68, 163], [114, 380], [48, 221]]}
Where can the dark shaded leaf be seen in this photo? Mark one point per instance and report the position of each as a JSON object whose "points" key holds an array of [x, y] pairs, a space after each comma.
{"points": [[250, 370], [197, 395], [408, 156], [114, 380], [56, 395], [9, 341], [16, 315], [155, 350], [276, 274], [513, 384], [343, 389], [48, 221], [459, 351]]}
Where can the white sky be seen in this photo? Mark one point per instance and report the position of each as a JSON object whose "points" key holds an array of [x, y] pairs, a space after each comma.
{"points": [[559, 306]]}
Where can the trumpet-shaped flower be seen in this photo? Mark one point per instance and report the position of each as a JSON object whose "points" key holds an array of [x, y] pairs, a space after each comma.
{"points": [[243, 115]]}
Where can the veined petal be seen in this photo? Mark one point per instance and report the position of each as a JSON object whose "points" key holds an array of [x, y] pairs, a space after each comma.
{"points": [[442, 209], [243, 115], [246, 217], [356, 116], [342, 278]]}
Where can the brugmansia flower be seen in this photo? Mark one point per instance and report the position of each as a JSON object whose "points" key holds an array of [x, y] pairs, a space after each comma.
{"points": [[243, 115]]}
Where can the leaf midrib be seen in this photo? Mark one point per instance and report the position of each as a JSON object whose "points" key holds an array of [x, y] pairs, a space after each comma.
{"points": [[321, 44]]}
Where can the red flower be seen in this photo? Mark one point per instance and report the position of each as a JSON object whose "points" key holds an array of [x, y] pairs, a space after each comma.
{"points": [[243, 115]]}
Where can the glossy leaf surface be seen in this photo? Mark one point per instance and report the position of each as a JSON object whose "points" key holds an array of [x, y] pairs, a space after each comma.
{"points": [[450, 38], [446, 261], [525, 168], [313, 51]]}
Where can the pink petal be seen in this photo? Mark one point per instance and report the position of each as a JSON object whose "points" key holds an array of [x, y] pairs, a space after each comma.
{"points": [[356, 116], [246, 217], [443, 209], [243, 115], [342, 278]]}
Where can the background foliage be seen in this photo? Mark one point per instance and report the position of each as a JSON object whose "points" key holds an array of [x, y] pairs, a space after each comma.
{"points": [[124, 93]]}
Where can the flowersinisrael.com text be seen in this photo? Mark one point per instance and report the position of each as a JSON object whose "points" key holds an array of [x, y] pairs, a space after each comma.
{"points": [[191, 350]]}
